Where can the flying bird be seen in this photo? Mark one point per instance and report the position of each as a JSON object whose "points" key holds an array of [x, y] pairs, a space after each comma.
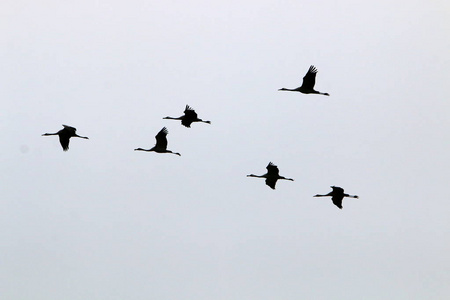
{"points": [[308, 84], [271, 176], [337, 194], [161, 143], [65, 134], [189, 117]]}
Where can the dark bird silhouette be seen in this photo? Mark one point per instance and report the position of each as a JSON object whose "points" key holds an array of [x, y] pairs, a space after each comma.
{"points": [[337, 195], [308, 84], [65, 134], [161, 143], [188, 118], [271, 176]]}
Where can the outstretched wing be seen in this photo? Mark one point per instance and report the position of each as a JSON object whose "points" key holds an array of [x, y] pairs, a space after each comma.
{"points": [[186, 121], [69, 129], [310, 78], [271, 181], [272, 170], [337, 200], [337, 190], [64, 136], [189, 116], [190, 112], [64, 140], [161, 140]]}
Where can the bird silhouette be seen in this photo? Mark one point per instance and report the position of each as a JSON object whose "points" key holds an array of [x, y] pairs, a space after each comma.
{"points": [[308, 84], [161, 143], [65, 134], [271, 176], [188, 118], [337, 194]]}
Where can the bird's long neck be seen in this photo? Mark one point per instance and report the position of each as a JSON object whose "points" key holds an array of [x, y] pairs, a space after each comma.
{"points": [[140, 149], [291, 90], [281, 177], [172, 118], [329, 194], [258, 176], [45, 134]]}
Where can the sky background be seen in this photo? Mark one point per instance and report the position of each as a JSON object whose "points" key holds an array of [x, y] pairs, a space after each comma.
{"points": [[104, 222]]}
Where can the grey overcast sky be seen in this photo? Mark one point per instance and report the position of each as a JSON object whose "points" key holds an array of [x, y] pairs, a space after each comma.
{"points": [[104, 222]]}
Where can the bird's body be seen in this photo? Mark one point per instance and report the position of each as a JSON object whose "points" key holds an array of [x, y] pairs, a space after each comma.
{"points": [[307, 87], [337, 194], [65, 134], [189, 117], [161, 143], [271, 176]]}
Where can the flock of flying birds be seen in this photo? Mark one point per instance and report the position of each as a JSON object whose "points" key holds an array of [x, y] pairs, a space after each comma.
{"points": [[190, 116]]}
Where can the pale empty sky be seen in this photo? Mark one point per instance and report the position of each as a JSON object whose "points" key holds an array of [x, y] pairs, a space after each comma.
{"points": [[104, 222]]}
